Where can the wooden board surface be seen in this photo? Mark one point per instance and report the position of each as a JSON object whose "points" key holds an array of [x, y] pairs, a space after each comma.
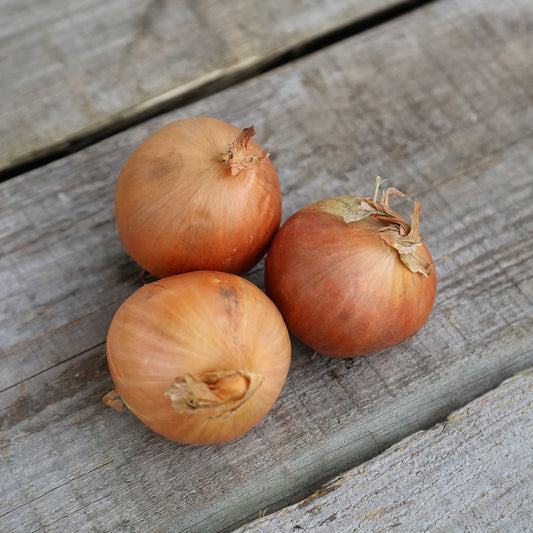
{"points": [[440, 102], [74, 70], [473, 472]]}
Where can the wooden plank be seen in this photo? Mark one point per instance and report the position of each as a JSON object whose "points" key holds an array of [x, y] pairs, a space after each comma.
{"points": [[439, 101], [70, 71], [473, 472]]}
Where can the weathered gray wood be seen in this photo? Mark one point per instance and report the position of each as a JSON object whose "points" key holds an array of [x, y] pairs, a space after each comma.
{"points": [[471, 473], [439, 101], [72, 69]]}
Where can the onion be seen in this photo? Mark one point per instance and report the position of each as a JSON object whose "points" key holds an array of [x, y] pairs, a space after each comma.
{"points": [[350, 276], [199, 357], [199, 194]]}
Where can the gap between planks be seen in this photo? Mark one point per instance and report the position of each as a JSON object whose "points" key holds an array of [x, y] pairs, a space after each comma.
{"points": [[207, 85]]}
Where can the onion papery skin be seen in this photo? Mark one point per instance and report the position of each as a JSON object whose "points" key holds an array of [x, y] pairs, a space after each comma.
{"points": [[197, 324], [179, 206], [340, 288]]}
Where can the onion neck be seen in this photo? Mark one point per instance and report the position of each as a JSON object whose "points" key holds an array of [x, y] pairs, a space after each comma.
{"points": [[219, 394], [396, 232], [237, 155]]}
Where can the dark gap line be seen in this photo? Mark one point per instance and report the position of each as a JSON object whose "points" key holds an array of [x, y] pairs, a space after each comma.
{"points": [[49, 491], [47, 369], [295, 52]]}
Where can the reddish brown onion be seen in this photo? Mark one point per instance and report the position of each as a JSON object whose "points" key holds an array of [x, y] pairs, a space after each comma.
{"points": [[350, 276], [199, 194]]}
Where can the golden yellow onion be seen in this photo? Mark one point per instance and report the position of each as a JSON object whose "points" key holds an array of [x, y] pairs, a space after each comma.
{"points": [[199, 357], [199, 194]]}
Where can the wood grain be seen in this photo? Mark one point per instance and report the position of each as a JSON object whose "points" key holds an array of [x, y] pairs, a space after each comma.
{"points": [[440, 102], [70, 71], [473, 472]]}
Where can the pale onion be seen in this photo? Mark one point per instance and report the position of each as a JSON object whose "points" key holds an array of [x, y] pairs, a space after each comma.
{"points": [[199, 194], [199, 357], [350, 276]]}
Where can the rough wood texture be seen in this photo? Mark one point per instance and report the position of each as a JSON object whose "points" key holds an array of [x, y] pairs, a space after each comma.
{"points": [[470, 473], [72, 69], [440, 102]]}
